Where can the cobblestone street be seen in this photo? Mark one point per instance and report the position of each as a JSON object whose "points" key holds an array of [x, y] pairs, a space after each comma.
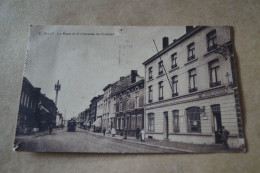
{"points": [[83, 141]]}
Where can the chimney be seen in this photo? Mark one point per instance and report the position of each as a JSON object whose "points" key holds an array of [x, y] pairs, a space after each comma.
{"points": [[189, 29], [165, 42], [133, 76]]}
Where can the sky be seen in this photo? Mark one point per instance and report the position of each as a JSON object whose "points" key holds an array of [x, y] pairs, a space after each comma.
{"points": [[86, 58]]}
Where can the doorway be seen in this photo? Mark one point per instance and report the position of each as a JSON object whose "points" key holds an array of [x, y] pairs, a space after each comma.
{"points": [[166, 126], [217, 122]]}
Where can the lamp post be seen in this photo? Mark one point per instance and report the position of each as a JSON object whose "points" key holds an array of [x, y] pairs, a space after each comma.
{"points": [[57, 89]]}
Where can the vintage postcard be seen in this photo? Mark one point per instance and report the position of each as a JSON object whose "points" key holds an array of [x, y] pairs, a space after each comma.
{"points": [[130, 89]]}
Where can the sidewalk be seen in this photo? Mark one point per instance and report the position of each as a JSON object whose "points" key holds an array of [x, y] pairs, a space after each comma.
{"points": [[165, 144], [37, 134]]}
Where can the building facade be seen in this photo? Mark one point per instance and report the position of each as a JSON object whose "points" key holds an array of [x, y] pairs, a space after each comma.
{"points": [[100, 104], [129, 105], [36, 111], [191, 89], [93, 113]]}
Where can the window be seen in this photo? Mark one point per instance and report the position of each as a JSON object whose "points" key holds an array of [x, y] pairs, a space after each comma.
{"points": [[212, 40], [192, 80], [150, 73], [114, 107], [193, 119], [176, 127], [122, 123], [160, 64], [174, 86], [128, 121], [191, 51], [21, 99], [174, 58], [128, 101], [150, 117], [118, 123], [214, 73], [137, 102], [120, 106], [150, 94], [139, 121], [160, 90], [133, 122]]}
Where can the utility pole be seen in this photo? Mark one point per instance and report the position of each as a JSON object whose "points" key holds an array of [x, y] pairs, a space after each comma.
{"points": [[164, 68], [57, 89]]}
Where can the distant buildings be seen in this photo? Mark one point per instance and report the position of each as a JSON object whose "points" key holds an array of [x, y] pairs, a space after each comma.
{"points": [[36, 111]]}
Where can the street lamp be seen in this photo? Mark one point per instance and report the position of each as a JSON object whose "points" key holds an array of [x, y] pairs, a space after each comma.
{"points": [[57, 89]]}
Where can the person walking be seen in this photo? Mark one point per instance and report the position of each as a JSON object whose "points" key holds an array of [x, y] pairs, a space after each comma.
{"points": [[50, 128], [104, 131], [142, 135], [137, 132], [224, 136]]}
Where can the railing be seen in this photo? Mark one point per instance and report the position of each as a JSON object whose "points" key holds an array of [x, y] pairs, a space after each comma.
{"points": [[191, 57], [214, 84], [175, 94], [192, 89], [174, 66]]}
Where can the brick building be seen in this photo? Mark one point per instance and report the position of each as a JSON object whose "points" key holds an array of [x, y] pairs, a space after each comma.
{"points": [[128, 104], [36, 111]]}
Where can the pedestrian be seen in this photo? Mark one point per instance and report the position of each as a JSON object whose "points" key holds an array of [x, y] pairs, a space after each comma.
{"points": [[142, 135], [104, 131], [50, 128], [224, 136], [125, 135], [137, 132], [113, 132]]}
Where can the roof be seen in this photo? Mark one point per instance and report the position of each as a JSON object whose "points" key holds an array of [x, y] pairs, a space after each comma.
{"points": [[174, 44], [106, 87]]}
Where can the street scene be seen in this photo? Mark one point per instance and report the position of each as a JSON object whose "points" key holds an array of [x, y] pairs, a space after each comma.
{"points": [[89, 142], [182, 98]]}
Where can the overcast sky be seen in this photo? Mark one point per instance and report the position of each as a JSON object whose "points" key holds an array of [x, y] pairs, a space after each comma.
{"points": [[85, 63]]}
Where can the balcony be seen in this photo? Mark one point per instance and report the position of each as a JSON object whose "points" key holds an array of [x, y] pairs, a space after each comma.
{"points": [[212, 47], [214, 84], [191, 58], [193, 89], [160, 72], [174, 66], [175, 94]]}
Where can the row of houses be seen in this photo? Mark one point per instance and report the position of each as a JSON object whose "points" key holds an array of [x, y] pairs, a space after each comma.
{"points": [[36, 111], [189, 92]]}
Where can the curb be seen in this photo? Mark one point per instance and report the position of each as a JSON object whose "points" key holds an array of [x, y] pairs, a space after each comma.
{"points": [[150, 145]]}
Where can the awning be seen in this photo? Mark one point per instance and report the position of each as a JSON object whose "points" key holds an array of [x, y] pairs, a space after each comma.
{"points": [[97, 123], [87, 123]]}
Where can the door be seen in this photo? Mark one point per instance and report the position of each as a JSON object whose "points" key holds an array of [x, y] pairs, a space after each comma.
{"points": [[218, 123], [166, 126]]}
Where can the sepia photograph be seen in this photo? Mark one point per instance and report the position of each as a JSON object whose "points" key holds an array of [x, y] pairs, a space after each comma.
{"points": [[130, 89]]}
